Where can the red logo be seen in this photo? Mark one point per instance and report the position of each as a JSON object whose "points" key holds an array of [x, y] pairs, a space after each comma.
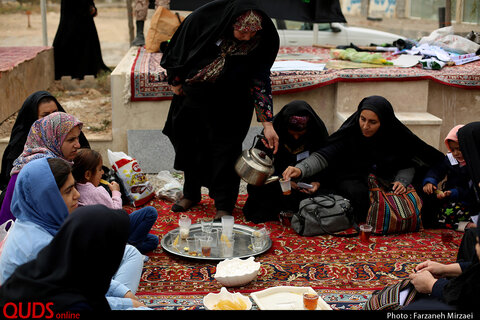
{"points": [[24, 310]]}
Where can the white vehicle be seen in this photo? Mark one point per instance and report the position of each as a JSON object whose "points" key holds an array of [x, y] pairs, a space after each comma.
{"points": [[296, 33]]}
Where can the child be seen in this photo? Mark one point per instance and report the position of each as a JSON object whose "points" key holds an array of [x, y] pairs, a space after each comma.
{"points": [[457, 194], [87, 171]]}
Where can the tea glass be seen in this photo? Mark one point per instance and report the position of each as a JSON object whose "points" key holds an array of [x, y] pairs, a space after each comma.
{"points": [[365, 232]]}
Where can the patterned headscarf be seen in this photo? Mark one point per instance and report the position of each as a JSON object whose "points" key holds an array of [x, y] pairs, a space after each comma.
{"points": [[249, 21], [297, 123], [45, 138]]}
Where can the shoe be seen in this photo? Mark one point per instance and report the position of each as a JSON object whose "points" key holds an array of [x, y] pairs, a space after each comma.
{"points": [[183, 205], [220, 214]]}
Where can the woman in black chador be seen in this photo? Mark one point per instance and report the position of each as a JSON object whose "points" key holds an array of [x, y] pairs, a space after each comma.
{"points": [[371, 140], [76, 46], [218, 65], [301, 132]]}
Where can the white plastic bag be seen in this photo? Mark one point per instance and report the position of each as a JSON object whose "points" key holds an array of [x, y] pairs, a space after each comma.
{"points": [[172, 189], [135, 182], [4, 233]]}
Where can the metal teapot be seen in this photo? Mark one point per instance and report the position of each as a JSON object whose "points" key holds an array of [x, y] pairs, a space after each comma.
{"points": [[255, 167]]}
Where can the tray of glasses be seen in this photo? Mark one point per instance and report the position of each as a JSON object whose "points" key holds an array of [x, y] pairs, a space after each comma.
{"points": [[238, 245]]}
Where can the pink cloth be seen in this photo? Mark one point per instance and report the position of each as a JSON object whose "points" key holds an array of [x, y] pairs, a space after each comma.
{"points": [[452, 135], [90, 195]]}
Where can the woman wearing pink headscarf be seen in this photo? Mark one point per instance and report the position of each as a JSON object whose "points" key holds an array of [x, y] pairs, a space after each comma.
{"points": [[54, 136], [451, 202]]}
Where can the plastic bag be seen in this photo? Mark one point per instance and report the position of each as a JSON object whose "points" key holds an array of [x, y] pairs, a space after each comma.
{"points": [[137, 187], [171, 188], [4, 233]]}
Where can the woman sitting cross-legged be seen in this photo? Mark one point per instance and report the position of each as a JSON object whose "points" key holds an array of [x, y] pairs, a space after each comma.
{"points": [[301, 132], [87, 171], [44, 196], [74, 271], [371, 140]]}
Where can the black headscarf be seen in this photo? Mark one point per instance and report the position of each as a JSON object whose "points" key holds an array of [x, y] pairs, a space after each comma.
{"points": [[393, 147], [27, 115], [469, 141], [74, 271], [205, 26], [314, 138], [464, 290]]}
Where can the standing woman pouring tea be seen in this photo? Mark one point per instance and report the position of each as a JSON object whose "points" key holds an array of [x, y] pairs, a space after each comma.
{"points": [[218, 65], [372, 140]]}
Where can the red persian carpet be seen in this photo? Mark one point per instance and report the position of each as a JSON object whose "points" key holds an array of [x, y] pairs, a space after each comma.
{"points": [[332, 265], [148, 78]]}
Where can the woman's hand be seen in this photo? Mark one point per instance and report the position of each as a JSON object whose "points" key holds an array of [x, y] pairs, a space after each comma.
{"points": [[423, 281], [429, 188], [398, 188], [440, 270], [271, 136], [312, 190], [178, 89], [136, 302], [291, 172]]}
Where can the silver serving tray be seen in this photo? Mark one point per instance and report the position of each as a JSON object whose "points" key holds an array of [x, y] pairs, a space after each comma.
{"points": [[242, 247]]}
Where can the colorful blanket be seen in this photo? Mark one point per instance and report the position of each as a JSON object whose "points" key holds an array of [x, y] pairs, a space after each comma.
{"points": [[338, 266], [148, 78]]}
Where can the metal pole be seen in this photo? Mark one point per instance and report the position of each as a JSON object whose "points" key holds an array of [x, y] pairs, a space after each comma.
{"points": [[43, 8]]}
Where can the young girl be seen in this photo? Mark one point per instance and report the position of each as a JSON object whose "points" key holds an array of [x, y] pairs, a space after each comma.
{"points": [[453, 203], [87, 170]]}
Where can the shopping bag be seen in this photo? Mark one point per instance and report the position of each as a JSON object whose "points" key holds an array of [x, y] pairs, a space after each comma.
{"points": [[163, 25], [136, 185]]}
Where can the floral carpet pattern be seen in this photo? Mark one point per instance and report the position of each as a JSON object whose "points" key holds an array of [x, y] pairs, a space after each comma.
{"points": [[148, 78], [336, 266]]}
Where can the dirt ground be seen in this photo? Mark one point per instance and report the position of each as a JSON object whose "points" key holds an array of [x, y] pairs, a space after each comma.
{"points": [[91, 105]]}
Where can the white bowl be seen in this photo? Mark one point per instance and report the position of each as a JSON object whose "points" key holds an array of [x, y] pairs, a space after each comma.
{"points": [[236, 272], [211, 299]]}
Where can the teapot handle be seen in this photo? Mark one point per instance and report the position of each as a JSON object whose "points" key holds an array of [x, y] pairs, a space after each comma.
{"points": [[261, 136]]}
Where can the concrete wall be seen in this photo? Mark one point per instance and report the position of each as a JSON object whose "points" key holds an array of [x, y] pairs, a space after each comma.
{"points": [[27, 77]]}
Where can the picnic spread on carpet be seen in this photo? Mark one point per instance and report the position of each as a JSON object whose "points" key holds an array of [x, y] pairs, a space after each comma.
{"points": [[344, 271], [148, 78]]}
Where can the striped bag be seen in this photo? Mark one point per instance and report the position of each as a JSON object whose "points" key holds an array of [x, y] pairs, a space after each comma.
{"points": [[389, 298], [390, 213]]}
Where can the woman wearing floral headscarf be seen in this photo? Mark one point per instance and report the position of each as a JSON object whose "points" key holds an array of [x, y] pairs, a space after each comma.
{"points": [[218, 65], [54, 136]]}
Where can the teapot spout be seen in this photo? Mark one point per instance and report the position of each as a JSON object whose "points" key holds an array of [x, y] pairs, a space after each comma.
{"points": [[272, 179]]}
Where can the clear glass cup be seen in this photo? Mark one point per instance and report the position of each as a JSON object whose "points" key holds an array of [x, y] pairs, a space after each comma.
{"points": [[206, 246], [207, 224]]}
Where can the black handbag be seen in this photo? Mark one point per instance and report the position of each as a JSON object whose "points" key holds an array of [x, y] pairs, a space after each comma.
{"points": [[324, 214]]}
